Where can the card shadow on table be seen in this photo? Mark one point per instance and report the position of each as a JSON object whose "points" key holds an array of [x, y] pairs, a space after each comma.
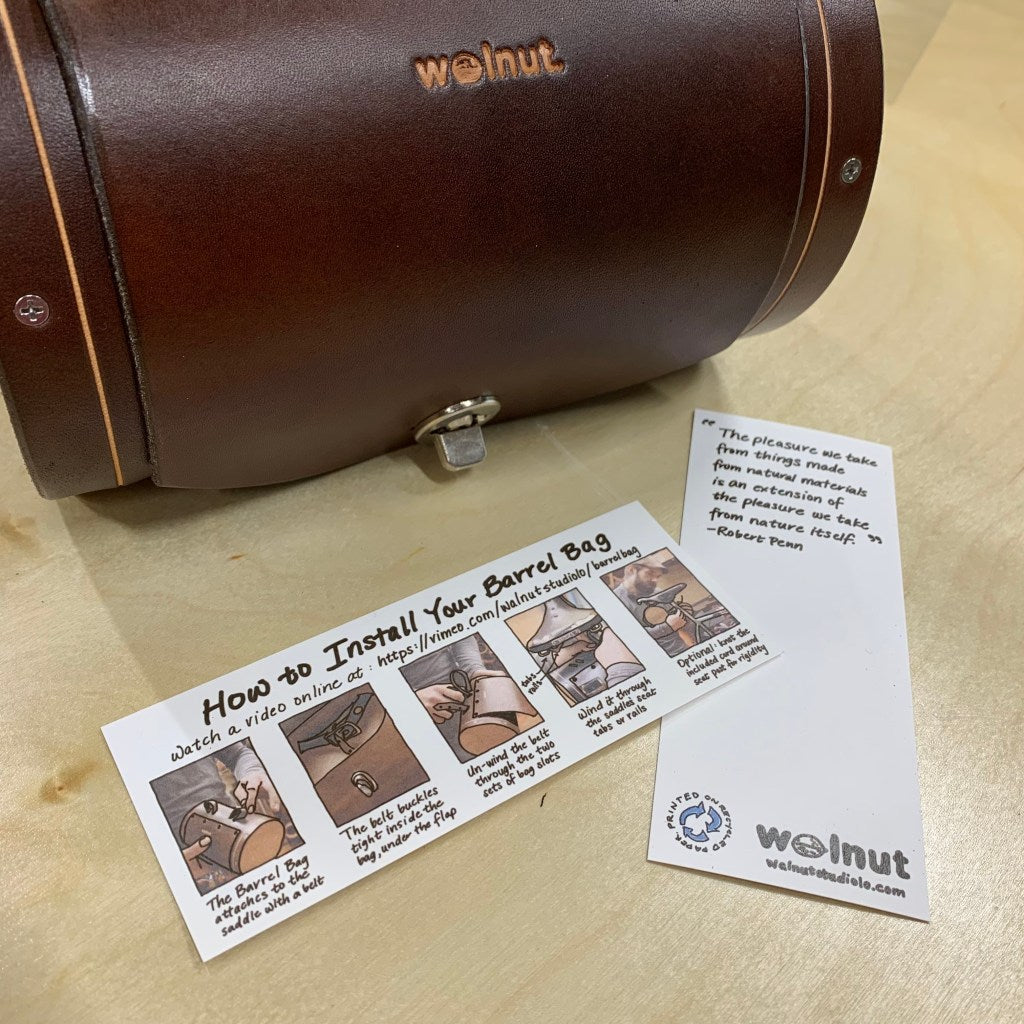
{"points": [[780, 890]]}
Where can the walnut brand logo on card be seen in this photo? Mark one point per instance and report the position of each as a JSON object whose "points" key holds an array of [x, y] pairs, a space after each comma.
{"points": [[808, 845], [491, 64]]}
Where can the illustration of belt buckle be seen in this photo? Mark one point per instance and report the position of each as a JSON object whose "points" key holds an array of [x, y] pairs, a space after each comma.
{"points": [[458, 680], [340, 731], [337, 734]]}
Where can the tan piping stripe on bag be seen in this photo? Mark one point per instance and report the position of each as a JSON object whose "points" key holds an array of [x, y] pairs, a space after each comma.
{"points": [[51, 188], [824, 170]]}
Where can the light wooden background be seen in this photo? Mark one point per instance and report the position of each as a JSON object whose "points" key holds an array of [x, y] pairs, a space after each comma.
{"points": [[531, 913]]}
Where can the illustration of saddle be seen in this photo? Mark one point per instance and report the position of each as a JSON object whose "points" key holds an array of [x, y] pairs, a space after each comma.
{"points": [[565, 622], [704, 622], [568, 625]]}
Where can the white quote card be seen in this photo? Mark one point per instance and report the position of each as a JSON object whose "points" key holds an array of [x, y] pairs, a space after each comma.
{"points": [[806, 778], [280, 783]]}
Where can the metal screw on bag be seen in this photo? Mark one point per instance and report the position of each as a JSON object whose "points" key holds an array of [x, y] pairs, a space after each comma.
{"points": [[32, 310], [851, 170]]}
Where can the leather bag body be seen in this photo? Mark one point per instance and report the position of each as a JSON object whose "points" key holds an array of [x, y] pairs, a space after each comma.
{"points": [[273, 238]]}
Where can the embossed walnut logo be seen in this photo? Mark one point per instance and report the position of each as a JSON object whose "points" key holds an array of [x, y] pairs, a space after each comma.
{"points": [[493, 63]]}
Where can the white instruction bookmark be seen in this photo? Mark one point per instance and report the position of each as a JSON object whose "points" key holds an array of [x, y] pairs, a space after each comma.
{"points": [[278, 784], [804, 776]]}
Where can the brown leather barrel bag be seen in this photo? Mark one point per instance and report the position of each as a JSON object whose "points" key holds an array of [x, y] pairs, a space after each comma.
{"points": [[246, 243]]}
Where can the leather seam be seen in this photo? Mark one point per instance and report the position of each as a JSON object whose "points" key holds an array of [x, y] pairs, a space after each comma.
{"points": [[801, 191], [58, 216], [70, 68], [826, 38]]}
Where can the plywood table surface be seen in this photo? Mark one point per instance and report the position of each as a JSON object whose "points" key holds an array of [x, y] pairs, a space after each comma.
{"points": [[111, 602]]}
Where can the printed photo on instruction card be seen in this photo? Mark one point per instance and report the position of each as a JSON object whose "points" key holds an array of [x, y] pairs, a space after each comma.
{"points": [[291, 778], [471, 697], [225, 814], [574, 647], [353, 753], [672, 605]]}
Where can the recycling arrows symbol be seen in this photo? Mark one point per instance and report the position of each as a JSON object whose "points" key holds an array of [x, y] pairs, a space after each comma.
{"points": [[709, 817]]}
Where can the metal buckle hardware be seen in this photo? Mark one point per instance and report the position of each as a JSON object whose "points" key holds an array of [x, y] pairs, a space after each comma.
{"points": [[455, 431]]}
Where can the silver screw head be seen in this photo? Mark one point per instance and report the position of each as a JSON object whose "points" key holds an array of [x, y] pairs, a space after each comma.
{"points": [[32, 310], [851, 170]]}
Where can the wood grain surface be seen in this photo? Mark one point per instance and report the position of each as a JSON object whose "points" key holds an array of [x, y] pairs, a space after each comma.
{"points": [[551, 912]]}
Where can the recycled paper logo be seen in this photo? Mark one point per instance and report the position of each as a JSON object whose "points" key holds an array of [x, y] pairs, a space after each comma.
{"points": [[699, 822]]}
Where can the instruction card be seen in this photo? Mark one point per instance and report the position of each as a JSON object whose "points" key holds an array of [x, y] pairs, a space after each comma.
{"points": [[275, 785], [806, 778]]}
